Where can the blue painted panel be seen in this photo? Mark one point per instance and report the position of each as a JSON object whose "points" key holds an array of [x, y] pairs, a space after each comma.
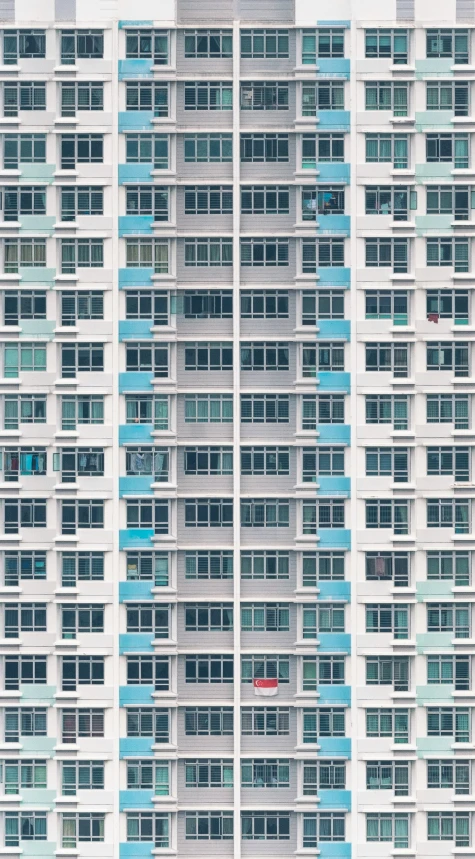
{"points": [[338, 172], [334, 433], [333, 67], [340, 746], [334, 696], [37, 171], [345, 24], [135, 120], [334, 538], [334, 799], [135, 799], [334, 642], [333, 329], [135, 277], [334, 381], [138, 642], [135, 591], [334, 850], [135, 69], [333, 225], [36, 849], [135, 172], [134, 433], [135, 225], [135, 484], [136, 747], [130, 696], [141, 538], [337, 486], [126, 23], [338, 120], [136, 381], [133, 328], [37, 692], [37, 274], [37, 223], [334, 591], [331, 275], [136, 849]]}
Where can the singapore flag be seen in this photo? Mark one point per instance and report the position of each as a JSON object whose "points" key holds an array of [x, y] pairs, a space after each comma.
{"points": [[266, 688]]}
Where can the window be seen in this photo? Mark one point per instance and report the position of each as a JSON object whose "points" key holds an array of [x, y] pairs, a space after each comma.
{"points": [[82, 409], [268, 148], [322, 409], [322, 253], [264, 44], [147, 44], [149, 775], [326, 357], [81, 149], [24, 617], [84, 826], [454, 670], [23, 149], [209, 565], [265, 617], [209, 825], [388, 148], [452, 44], [385, 722], [208, 721], [264, 408], [25, 95], [142, 357], [322, 826], [450, 565], [448, 356], [24, 513], [79, 619], [208, 773], [81, 305], [262, 772], [323, 775], [26, 408], [81, 514], [208, 512], [448, 252], [148, 566], [19, 253], [266, 667], [387, 95], [387, 618], [23, 775], [149, 671], [208, 44], [389, 200], [208, 199], [24, 669], [388, 514], [147, 149], [390, 44], [208, 305], [327, 618], [209, 669], [144, 408], [81, 45], [149, 826], [449, 513], [265, 200], [269, 461], [81, 358], [392, 566], [81, 670], [327, 200], [213, 252], [322, 566], [388, 827], [148, 722], [23, 565], [388, 671], [323, 722], [23, 305], [447, 147], [448, 304], [316, 461], [323, 95], [449, 826], [24, 45], [448, 96], [265, 513], [208, 95], [449, 617], [146, 617], [264, 565], [25, 200], [388, 357], [322, 514], [82, 775], [264, 304], [322, 44], [81, 567], [388, 462], [152, 461], [87, 722], [81, 200], [208, 408], [264, 252], [208, 460], [449, 722], [265, 721], [147, 200], [208, 356], [24, 358], [388, 409], [388, 253], [257, 356], [81, 253], [24, 826], [451, 461], [23, 460], [264, 95], [24, 722], [152, 97], [206, 148], [153, 515], [80, 96], [324, 147], [448, 200], [265, 826], [208, 617]]}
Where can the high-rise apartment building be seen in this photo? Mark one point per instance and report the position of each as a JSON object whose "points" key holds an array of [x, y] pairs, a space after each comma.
{"points": [[237, 429]]}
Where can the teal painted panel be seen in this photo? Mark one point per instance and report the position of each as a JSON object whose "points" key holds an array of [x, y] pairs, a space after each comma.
{"points": [[38, 745], [37, 274], [434, 222], [440, 119], [135, 172], [335, 486], [334, 433], [135, 277], [135, 642], [334, 538], [38, 848], [431, 694], [333, 225], [140, 538], [32, 796], [333, 329], [334, 799], [334, 696], [135, 328], [135, 225], [136, 747], [136, 849], [136, 381], [335, 850], [437, 66], [37, 224], [134, 485], [135, 591], [126, 23], [133, 433], [334, 642], [434, 588], [131, 696], [337, 120], [331, 275], [435, 745], [135, 120], [334, 591], [37, 328], [437, 170], [40, 172], [434, 641], [135, 799], [333, 67], [338, 746], [334, 381], [37, 692], [137, 69]]}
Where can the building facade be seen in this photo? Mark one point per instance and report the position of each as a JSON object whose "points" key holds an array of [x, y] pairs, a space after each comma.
{"points": [[237, 428]]}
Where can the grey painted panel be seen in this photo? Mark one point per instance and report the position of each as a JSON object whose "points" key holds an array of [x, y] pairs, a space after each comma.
{"points": [[200, 274], [211, 11], [465, 9], [275, 589], [270, 483], [269, 639], [278, 745], [7, 10], [219, 119], [202, 378], [219, 537], [270, 223], [271, 274], [201, 691], [204, 327], [405, 9], [266, 10], [271, 327], [65, 10], [276, 171], [206, 745], [283, 119], [215, 589], [272, 431]]}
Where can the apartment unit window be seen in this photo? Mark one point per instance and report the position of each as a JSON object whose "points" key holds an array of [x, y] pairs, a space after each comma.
{"points": [[25, 200], [328, 95], [81, 358], [322, 252], [208, 356], [322, 43], [24, 774], [79, 619], [25, 95], [84, 826], [145, 617], [209, 669], [388, 514], [265, 826], [448, 356], [388, 671], [81, 305], [449, 722], [24, 826], [262, 772], [322, 566], [388, 200], [388, 148], [322, 409], [264, 408], [23, 45], [264, 252], [88, 722], [449, 826], [209, 565], [81, 671], [81, 253], [24, 617], [208, 44], [265, 460], [82, 775], [208, 721], [385, 722], [208, 512], [448, 304], [23, 565], [384, 617], [449, 617], [323, 722], [264, 565], [81, 514], [149, 826], [265, 617], [147, 149], [385, 43], [208, 460], [24, 722], [269, 148], [153, 97], [264, 44], [208, 95], [208, 148], [81, 45], [327, 618], [388, 357], [452, 44], [151, 305], [23, 149], [209, 825], [81, 149], [321, 827], [264, 304], [388, 827], [322, 461], [83, 95], [388, 409], [143, 358], [24, 669], [388, 253], [23, 460], [148, 514], [448, 252], [209, 408], [266, 667], [265, 721], [148, 722], [149, 671], [81, 200], [265, 200], [449, 669], [81, 567], [324, 147], [208, 773], [145, 460], [201, 304], [448, 200], [388, 775], [27, 408], [208, 252], [264, 95], [322, 514], [208, 200], [82, 409], [265, 513], [18, 253], [148, 566], [450, 565], [264, 356], [147, 253], [327, 200], [208, 617], [387, 95], [449, 513], [447, 147], [323, 775], [452, 461], [388, 462], [388, 566], [25, 304], [448, 96], [24, 513], [329, 357], [147, 409], [147, 200], [317, 670], [24, 357], [147, 45]]}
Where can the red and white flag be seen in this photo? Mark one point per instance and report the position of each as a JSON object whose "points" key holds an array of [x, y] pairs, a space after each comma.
{"points": [[266, 688]]}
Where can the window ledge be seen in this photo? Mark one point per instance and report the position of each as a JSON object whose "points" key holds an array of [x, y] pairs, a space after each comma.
{"points": [[66, 642], [69, 67], [9, 225]]}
